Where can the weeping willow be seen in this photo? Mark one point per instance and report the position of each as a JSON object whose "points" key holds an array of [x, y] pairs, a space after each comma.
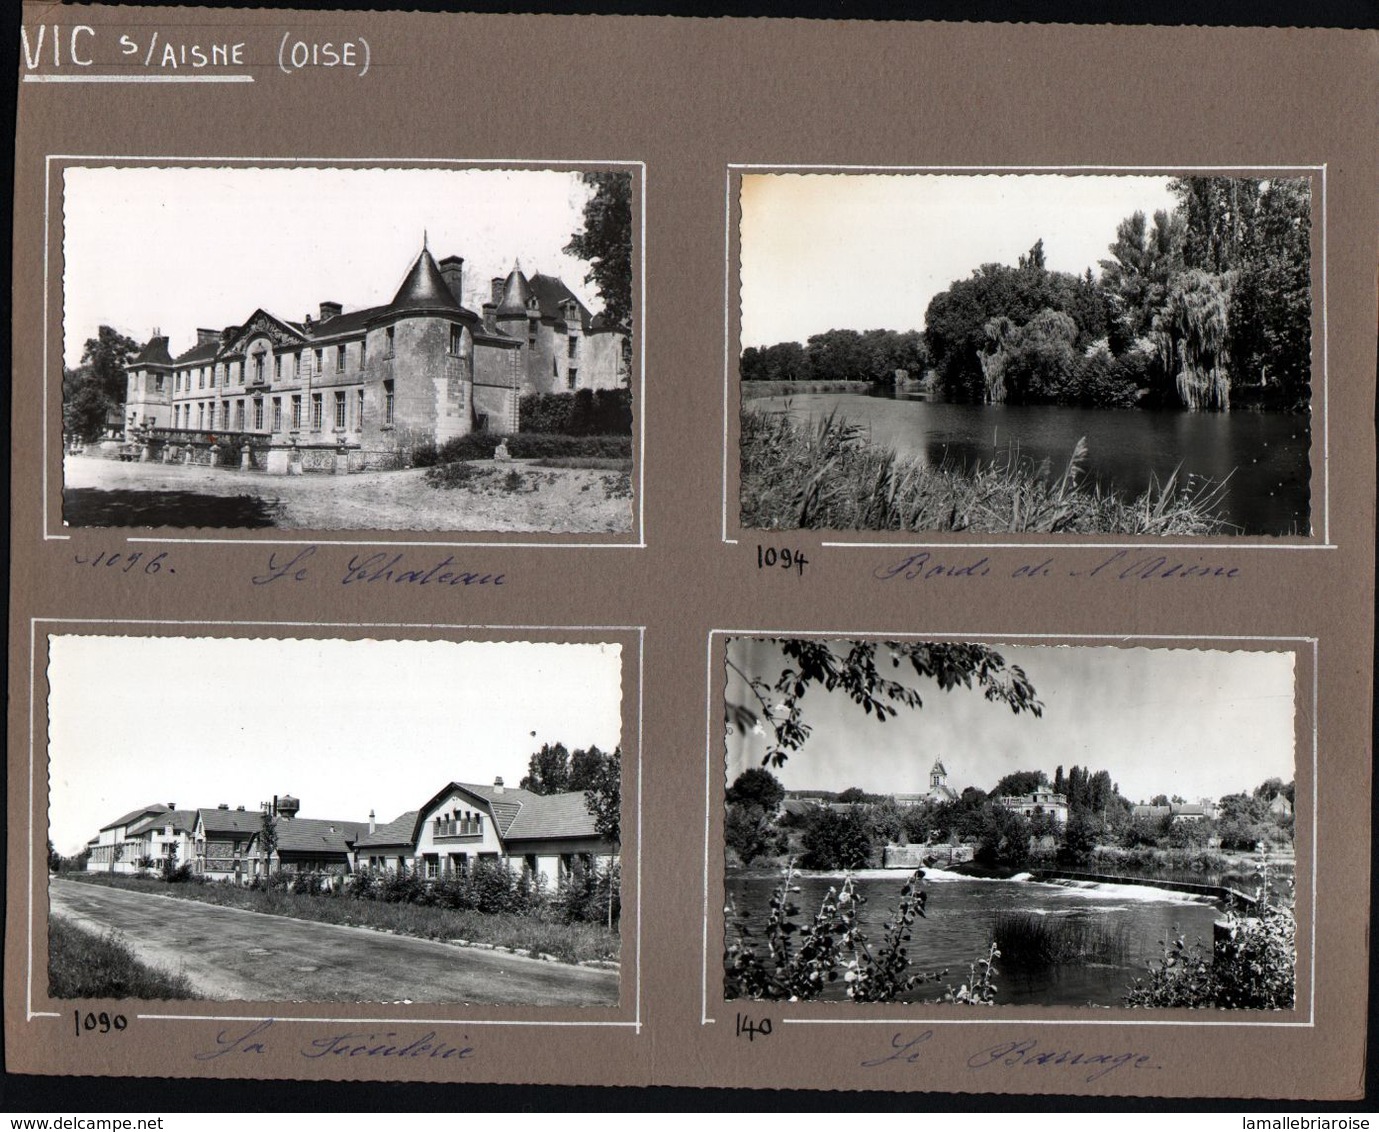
{"points": [[994, 355], [1190, 333]]}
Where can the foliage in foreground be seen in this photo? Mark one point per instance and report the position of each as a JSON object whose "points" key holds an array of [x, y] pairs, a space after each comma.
{"points": [[789, 959], [1251, 969], [826, 476], [82, 964]]}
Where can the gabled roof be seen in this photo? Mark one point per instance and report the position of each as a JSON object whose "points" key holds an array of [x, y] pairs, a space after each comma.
{"points": [[230, 821], [351, 322], [135, 815], [183, 821], [550, 292], [938, 767], [551, 816], [154, 353], [317, 835], [400, 831]]}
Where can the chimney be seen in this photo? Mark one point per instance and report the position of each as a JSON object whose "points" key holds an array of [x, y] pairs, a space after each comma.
{"points": [[172, 805], [490, 315], [372, 825], [239, 809], [498, 785], [223, 806], [205, 337], [452, 271], [496, 289], [330, 310]]}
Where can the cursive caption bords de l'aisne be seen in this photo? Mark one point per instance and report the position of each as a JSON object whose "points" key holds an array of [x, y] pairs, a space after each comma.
{"points": [[1121, 566], [382, 567]]}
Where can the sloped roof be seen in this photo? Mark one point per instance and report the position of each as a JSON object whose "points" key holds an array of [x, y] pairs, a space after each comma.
{"points": [[202, 352], [938, 767], [425, 289], [135, 815], [318, 835], [400, 831], [230, 821], [515, 294], [504, 806], [553, 815], [154, 353], [183, 821], [550, 292], [351, 322]]}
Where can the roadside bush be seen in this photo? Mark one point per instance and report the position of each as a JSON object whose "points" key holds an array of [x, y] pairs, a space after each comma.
{"points": [[585, 894]]}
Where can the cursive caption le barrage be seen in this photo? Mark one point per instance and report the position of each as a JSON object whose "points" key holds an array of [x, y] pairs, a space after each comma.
{"points": [[1122, 566], [392, 1045], [382, 567], [1027, 1053]]}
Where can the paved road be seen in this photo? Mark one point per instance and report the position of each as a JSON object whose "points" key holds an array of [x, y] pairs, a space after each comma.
{"points": [[234, 955]]}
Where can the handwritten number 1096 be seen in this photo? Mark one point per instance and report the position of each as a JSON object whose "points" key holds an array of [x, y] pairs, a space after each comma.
{"points": [[769, 557]]}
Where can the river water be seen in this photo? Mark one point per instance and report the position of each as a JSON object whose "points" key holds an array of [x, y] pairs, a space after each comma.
{"points": [[1265, 455], [957, 926]]}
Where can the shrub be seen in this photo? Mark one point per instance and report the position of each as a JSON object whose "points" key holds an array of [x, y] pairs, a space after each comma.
{"points": [[836, 840], [586, 412], [533, 446], [586, 892]]}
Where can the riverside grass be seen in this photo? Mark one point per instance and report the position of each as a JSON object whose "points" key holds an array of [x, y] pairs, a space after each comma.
{"points": [[83, 964], [825, 476], [571, 943]]}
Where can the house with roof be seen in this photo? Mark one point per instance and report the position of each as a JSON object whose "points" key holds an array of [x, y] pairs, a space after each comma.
{"points": [[346, 391], [1041, 802], [116, 848], [169, 835], [939, 791]]}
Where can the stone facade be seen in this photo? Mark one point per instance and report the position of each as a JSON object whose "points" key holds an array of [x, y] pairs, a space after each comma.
{"points": [[363, 390]]}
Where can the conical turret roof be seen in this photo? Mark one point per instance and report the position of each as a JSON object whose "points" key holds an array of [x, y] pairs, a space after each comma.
{"points": [[424, 288], [516, 294]]}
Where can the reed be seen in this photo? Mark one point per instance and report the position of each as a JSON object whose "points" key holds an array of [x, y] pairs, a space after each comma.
{"points": [[1028, 941], [826, 475]]}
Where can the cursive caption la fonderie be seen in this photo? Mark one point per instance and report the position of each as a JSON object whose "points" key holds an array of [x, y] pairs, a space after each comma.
{"points": [[372, 1045], [380, 568], [907, 1048], [1120, 566]]}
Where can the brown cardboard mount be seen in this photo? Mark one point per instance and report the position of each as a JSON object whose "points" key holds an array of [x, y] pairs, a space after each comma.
{"points": [[687, 104]]}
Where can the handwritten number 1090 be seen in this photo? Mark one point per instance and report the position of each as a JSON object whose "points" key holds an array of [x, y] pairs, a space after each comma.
{"points": [[101, 1022], [769, 557]]}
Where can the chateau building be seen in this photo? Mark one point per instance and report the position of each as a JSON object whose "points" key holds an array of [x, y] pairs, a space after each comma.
{"points": [[1039, 803], [348, 391]]}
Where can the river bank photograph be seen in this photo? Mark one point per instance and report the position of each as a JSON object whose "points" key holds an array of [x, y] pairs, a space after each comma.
{"points": [[1027, 353], [459, 842], [1009, 825]]}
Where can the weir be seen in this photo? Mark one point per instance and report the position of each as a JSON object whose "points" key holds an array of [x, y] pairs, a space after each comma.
{"points": [[1224, 896]]}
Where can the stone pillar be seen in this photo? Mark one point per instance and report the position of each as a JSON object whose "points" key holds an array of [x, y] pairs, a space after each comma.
{"points": [[145, 453], [279, 460], [187, 455], [246, 459], [167, 453], [215, 455], [342, 462]]}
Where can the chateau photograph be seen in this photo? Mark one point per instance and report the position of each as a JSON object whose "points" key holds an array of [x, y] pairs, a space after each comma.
{"points": [[457, 355], [484, 867], [1030, 827]]}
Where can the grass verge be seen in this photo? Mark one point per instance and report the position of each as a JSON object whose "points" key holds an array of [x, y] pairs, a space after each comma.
{"points": [[82, 964], [826, 476], [538, 932]]}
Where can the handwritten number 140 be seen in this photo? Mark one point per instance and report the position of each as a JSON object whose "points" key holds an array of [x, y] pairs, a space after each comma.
{"points": [[747, 1028]]}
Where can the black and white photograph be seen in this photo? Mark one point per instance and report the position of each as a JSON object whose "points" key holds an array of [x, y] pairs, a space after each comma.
{"points": [[1090, 354], [347, 348], [980, 824], [334, 820]]}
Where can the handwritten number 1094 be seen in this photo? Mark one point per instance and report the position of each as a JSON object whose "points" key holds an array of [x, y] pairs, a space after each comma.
{"points": [[769, 557]]}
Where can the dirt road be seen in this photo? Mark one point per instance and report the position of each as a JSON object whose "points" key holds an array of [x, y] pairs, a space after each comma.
{"points": [[230, 954]]}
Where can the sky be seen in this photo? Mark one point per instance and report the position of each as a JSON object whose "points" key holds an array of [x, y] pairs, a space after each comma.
{"points": [[868, 251], [182, 248], [1197, 723], [345, 726]]}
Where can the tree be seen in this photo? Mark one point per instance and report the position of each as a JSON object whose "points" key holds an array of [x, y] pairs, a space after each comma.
{"points": [[1020, 782], [747, 830], [585, 767], [756, 787], [852, 795], [548, 770], [99, 384], [603, 800], [605, 243], [54, 857], [836, 839], [268, 839], [853, 667]]}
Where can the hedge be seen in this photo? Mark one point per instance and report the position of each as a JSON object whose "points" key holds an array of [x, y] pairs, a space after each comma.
{"points": [[586, 412]]}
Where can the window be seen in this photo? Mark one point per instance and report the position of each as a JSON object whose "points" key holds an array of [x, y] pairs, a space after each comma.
{"points": [[277, 367], [388, 402], [297, 364], [389, 352], [258, 413], [358, 410], [239, 416], [339, 408], [158, 383], [258, 367], [340, 358], [316, 412], [296, 410], [201, 378], [570, 351], [277, 414], [320, 360], [571, 377], [225, 414], [430, 865], [201, 414], [363, 352], [456, 338]]}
